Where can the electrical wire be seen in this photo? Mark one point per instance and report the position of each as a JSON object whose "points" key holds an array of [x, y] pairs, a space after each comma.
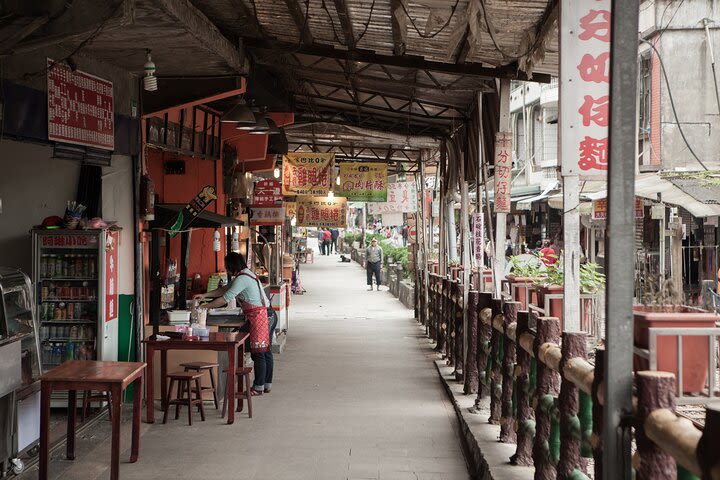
{"points": [[332, 24], [367, 24], [434, 34], [77, 49], [672, 102], [491, 31]]}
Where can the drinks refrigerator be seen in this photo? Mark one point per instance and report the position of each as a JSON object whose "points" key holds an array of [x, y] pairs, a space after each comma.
{"points": [[75, 276]]}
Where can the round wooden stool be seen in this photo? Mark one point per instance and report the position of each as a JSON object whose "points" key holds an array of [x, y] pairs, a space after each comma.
{"points": [[205, 367], [184, 381], [243, 392]]}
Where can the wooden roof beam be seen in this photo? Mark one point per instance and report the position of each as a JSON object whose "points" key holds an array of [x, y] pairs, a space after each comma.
{"points": [[463, 48], [399, 26], [346, 23], [253, 26], [204, 31], [406, 61], [300, 18]]}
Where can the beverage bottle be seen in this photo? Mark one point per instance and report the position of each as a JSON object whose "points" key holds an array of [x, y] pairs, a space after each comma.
{"points": [[78, 266], [50, 266], [71, 311], [92, 265], [58, 266], [71, 265], [43, 266]]}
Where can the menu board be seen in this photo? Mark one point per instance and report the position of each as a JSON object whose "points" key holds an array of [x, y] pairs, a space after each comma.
{"points": [[401, 198], [363, 181], [80, 107], [307, 173], [321, 212]]}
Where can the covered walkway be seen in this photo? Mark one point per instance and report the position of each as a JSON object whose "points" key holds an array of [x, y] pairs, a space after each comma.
{"points": [[356, 396]]}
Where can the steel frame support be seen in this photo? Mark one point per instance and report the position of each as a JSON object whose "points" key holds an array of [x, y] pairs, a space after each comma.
{"points": [[620, 241]]}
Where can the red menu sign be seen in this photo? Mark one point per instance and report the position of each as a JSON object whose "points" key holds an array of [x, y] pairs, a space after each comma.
{"points": [[584, 86], [68, 241], [268, 193], [503, 171], [80, 107], [111, 275]]}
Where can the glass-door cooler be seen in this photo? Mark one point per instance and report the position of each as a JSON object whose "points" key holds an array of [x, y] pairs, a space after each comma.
{"points": [[19, 370], [75, 273]]}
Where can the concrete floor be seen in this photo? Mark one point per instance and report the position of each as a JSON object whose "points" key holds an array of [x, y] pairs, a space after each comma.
{"points": [[356, 396]]}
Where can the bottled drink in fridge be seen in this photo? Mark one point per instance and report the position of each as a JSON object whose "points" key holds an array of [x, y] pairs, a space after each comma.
{"points": [[50, 266]]}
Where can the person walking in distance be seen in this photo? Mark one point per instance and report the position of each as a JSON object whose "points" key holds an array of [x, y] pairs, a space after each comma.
{"points": [[327, 238], [321, 245], [334, 234], [373, 260]]}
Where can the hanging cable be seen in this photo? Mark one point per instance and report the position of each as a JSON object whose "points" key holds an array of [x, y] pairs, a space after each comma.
{"points": [[672, 102], [434, 34], [367, 24]]}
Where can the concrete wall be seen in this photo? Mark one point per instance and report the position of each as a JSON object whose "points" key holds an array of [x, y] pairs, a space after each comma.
{"points": [[684, 51], [117, 188], [32, 186]]}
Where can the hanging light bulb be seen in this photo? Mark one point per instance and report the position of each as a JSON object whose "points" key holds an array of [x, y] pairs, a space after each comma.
{"points": [[337, 180], [150, 82], [235, 245], [276, 172], [216, 241], [331, 194], [293, 221]]}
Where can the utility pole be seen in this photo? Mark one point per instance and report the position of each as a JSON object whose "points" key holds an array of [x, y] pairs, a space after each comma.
{"points": [[571, 252]]}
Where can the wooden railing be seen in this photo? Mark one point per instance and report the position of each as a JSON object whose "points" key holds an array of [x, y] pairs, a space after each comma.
{"points": [[547, 396]]}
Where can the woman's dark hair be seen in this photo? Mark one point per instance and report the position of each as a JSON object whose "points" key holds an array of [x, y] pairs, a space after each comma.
{"points": [[235, 263]]}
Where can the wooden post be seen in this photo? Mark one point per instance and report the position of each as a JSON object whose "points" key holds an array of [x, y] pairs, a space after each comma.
{"points": [[573, 345], [597, 411], [458, 347], [655, 390], [707, 449], [433, 304], [525, 420], [483, 351], [470, 367], [547, 388], [507, 421], [496, 345]]}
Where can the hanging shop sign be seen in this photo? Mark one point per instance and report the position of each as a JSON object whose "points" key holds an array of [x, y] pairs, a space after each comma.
{"points": [[307, 173], [503, 171], [290, 209], [321, 212], [80, 107], [401, 198], [363, 182], [599, 211], [268, 193], [584, 86], [267, 215], [478, 238], [393, 219], [188, 214]]}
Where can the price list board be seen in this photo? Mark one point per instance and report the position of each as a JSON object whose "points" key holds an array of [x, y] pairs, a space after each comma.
{"points": [[80, 108]]}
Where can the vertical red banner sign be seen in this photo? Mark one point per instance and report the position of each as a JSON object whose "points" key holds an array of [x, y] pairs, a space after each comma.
{"points": [[111, 275], [503, 171], [584, 86]]}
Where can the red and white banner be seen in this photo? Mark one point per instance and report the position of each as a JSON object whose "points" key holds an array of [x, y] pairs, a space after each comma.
{"points": [[80, 107], [600, 208], [268, 193], [584, 86], [503, 171], [111, 275], [401, 198]]}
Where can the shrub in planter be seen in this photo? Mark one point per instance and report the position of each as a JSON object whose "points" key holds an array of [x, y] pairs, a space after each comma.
{"points": [[663, 308]]}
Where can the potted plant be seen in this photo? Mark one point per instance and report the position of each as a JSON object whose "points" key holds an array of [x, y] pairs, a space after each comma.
{"points": [[524, 270], [663, 306]]}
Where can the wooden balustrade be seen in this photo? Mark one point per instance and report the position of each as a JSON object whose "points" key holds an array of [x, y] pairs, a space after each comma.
{"points": [[556, 418]]}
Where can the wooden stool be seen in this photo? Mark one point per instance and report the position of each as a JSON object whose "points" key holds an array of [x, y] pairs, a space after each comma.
{"points": [[89, 397], [205, 367], [242, 393], [184, 380]]}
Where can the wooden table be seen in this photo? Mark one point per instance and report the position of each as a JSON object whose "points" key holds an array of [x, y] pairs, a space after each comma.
{"points": [[74, 375], [228, 342]]}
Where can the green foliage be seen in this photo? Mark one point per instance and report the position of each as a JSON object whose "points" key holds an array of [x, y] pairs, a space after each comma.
{"points": [[349, 238], [523, 269], [591, 280]]}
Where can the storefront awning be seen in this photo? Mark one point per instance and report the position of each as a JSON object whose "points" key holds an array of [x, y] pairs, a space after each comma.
{"points": [[651, 184], [527, 203]]}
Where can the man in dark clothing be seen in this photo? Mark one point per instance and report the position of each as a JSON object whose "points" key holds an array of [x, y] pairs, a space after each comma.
{"points": [[334, 234], [321, 246]]}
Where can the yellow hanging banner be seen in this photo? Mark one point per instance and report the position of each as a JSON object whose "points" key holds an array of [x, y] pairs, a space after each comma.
{"points": [[363, 181], [321, 212], [307, 173]]}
